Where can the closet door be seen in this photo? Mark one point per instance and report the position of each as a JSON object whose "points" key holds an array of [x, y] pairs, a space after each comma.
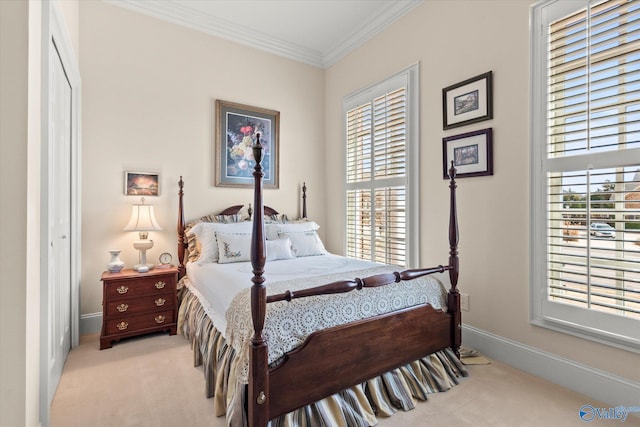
{"points": [[60, 134]]}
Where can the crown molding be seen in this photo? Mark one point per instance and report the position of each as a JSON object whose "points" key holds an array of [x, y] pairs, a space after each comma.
{"points": [[368, 30], [177, 13]]}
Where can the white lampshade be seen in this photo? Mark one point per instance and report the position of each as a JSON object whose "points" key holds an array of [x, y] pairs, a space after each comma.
{"points": [[142, 219]]}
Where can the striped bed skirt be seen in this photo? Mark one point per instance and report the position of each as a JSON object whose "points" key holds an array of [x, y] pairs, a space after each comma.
{"points": [[358, 406]]}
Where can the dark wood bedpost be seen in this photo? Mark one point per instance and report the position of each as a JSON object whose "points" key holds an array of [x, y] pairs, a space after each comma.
{"points": [[181, 237], [304, 200], [454, 263], [258, 368]]}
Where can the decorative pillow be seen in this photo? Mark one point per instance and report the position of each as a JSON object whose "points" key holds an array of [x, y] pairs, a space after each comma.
{"points": [[306, 243], [273, 231], [205, 243], [279, 249], [233, 247], [223, 219], [276, 218], [194, 247]]}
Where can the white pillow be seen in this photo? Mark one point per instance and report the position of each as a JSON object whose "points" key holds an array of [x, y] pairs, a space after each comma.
{"points": [[306, 243], [279, 249], [233, 247], [298, 227], [274, 230], [205, 232]]}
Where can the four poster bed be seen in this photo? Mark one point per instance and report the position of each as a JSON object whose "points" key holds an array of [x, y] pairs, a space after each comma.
{"points": [[302, 345]]}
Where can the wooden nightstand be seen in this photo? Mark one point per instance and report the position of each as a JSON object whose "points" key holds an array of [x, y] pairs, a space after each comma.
{"points": [[138, 303]]}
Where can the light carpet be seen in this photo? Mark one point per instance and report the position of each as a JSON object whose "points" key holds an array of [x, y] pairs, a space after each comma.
{"points": [[151, 381]]}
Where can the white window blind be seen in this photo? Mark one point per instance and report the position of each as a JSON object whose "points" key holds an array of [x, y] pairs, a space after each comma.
{"points": [[378, 155], [589, 126]]}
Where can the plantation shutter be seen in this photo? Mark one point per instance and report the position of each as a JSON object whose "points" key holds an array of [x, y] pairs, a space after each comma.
{"points": [[592, 165], [376, 159]]}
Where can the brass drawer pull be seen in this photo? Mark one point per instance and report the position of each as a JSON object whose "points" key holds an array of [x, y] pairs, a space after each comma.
{"points": [[160, 284], [122, 307], [160, 318], [122, 325], [160, 302], [122, 289]]}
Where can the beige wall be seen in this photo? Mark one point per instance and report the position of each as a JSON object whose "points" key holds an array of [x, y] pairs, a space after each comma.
{"points": [[452, 41], [13, 160], [149, 90], [20, 74], [70, 11], [148, 93]]}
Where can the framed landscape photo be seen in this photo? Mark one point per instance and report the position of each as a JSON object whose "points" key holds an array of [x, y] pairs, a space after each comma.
{"points": [[141, 184], [467, 102], [471, 153], [237, 127]]}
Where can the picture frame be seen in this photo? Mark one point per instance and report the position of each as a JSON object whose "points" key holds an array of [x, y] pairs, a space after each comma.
{"points": [[471, 153], [236, 128], [470, 101], [141, 184]]}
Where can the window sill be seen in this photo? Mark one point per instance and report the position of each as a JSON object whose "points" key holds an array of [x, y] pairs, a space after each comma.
{"points": [[601, 337]]}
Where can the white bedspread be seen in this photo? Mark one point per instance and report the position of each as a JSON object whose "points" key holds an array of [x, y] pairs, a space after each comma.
{"points": [[217, 284], [226, 288]]}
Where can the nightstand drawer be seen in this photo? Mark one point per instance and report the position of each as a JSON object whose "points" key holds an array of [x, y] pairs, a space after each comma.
{"points": [[138, 287], [144, 304], [138, 303], [139, 322]]}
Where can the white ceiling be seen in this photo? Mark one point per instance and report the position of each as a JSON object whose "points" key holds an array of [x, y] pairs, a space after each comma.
{"points": [[316, 32]]}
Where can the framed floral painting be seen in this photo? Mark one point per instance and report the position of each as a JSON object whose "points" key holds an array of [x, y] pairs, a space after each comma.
{"points": [[237, 126]]}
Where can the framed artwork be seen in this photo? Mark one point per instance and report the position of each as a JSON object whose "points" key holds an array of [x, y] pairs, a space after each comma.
{"points": [[471, 153], [141, 184], [467, 102], [236, 128]]}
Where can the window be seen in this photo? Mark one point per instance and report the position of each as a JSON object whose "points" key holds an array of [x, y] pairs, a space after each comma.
{"points": [[586, 169], [381, 182]]}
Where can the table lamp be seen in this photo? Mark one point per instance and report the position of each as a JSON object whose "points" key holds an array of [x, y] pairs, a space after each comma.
{"points": [[142, 220]]}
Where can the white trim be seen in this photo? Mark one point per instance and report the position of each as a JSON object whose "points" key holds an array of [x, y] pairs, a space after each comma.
{"points": [[54, 28], [537, 242], [603, 328], [66, 52], [409, 77], [413, 164], [600, 385], [360, 36], [181, 14], [90, 323]]}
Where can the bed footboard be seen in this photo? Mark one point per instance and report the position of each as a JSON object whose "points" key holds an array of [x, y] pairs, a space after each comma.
{"points": [[314, 370], [390, 341]]}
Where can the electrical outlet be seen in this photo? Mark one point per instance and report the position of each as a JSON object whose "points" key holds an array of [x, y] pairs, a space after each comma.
{"points": [[464, 302]]}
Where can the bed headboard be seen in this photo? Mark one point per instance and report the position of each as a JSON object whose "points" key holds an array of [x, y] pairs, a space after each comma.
{"points": [[231, 210]]}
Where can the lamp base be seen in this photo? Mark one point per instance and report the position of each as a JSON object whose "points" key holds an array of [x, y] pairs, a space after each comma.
{"points": [[144, 267], [143, 246]]}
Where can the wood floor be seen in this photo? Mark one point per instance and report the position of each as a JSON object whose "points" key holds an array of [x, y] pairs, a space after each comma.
{"points": [[151, 381]]}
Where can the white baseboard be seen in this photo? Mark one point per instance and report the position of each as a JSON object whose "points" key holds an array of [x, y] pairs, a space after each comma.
{"points": [[90, 323], [600, 385]]}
